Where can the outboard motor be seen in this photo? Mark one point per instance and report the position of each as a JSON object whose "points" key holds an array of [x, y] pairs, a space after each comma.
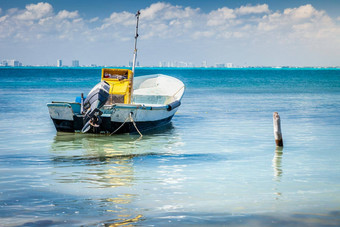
{"points": [[94, 101]]}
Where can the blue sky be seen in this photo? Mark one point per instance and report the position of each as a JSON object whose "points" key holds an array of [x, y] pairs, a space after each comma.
{"points": [[243, 32], [91, 8]]}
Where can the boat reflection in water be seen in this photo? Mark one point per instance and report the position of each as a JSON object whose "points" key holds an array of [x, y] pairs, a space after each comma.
{"points": [[101, 169]]}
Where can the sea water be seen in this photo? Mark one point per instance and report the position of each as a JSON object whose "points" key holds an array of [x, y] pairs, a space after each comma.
{"points": [[215, 164]]}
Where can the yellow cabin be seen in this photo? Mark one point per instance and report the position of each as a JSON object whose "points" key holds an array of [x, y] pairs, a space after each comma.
{"points": [[120, 81]]}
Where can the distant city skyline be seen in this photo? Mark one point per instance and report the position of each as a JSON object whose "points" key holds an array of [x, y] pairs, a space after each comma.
{"points": [[161, 64], [244, 33]]}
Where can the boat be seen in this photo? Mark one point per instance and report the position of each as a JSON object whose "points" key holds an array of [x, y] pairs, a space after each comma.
{"points": [[121, 103]]}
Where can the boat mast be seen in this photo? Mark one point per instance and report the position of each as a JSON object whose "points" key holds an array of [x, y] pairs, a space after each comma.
{"points": [[135, 51]]}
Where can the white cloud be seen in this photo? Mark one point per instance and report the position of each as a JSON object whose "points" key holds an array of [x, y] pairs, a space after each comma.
{"points": [[122, 19], [38, 21], [206, 34], [303, 12], [164, 20], [253, 9], [166, 11], [151, 12], [94, 19], [3, 18], [220, 16], [64, 14], [301, 23], [36, 11]]}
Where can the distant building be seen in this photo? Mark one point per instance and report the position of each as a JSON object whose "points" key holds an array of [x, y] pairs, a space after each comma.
{"points": [[14, 63], [220, 65], [75, 63], [182, 64], [4, 63], [131, 64], [59, 63], [162, 64], [230, 65], [175, 64], [205, 64]]}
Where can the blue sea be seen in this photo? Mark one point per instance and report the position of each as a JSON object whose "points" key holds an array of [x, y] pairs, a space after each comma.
{"points": [[216, 164]]}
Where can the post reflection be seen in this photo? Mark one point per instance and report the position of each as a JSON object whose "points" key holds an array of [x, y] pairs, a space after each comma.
{"points": [[277, 167], [277, 163]]}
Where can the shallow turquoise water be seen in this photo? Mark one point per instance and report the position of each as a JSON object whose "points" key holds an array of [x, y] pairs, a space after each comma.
{"points": [[216, 164]]}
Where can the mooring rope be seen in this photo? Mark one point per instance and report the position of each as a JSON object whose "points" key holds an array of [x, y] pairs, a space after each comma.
{"points": [[134, 124], [120, 126]]}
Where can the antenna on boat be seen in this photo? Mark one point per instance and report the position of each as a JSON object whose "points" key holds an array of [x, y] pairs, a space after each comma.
{"points": [[135, 51]]}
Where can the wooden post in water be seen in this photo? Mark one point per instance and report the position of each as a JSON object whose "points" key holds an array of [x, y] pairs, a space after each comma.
{"points": [[277, 129]]}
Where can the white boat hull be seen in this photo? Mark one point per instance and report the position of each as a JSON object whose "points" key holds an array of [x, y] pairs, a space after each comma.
{"points": [[148, 111], [145, 117]]}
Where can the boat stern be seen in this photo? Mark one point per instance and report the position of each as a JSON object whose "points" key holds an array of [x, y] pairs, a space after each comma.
{"points": [[65, 116]]}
